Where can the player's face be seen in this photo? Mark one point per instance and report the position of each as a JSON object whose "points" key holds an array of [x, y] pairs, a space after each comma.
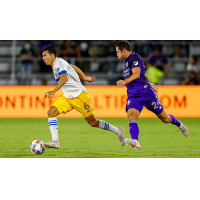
{"points": [[120, 54], [48, 59]]}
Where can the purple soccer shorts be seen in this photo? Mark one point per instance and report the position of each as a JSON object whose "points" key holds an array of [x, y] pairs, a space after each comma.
{"points": [[150, 100]]}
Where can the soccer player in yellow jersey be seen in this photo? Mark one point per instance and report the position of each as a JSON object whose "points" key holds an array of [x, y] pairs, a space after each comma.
{"points": [[75, 97]]}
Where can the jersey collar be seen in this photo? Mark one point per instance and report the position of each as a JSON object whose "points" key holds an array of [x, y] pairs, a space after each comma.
{"points": [[128, 57], [55, 61]]}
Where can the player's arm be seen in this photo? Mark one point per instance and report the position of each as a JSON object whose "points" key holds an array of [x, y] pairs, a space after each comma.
{"points": [[155, 87], [134, 76], [82, 75], [62, 81], [147, 78]]}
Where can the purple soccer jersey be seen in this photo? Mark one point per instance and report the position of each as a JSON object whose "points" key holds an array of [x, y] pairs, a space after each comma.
{"points": [[140, 93], [140, 86]]}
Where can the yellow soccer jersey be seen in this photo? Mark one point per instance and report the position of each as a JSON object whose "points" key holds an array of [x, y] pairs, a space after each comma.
{"points": [[73, 87]]}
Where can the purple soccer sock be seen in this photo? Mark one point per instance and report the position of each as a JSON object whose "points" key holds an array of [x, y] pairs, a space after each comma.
{"points": [[175, 121], [134, 130]]}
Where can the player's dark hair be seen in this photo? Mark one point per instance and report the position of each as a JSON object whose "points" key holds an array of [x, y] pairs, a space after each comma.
{"points": [[51, 50], [124, 44]]}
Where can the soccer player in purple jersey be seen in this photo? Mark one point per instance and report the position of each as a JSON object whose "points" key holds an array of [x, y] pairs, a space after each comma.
{"points": [[141, 92]]}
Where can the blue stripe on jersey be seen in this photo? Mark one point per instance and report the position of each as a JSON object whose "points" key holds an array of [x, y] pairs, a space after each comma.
{"points": [[62, 72], [57, 80]]}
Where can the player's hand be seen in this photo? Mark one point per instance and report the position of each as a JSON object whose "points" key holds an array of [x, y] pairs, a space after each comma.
{"points": [[90, 79], [155, 87], [120, 83], [48, 94]]}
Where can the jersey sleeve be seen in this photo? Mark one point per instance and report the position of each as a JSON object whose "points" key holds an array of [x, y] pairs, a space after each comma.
{"points": [[61, 68], [136, 62]]}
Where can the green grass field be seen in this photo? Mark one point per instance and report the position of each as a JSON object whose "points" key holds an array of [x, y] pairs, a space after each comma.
{"points": [[79, 140]]}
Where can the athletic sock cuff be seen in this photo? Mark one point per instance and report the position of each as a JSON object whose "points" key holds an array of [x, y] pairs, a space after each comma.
{"points": [[53, 121], [52, 118], [132, 122], [170, 118], [103, 125]]}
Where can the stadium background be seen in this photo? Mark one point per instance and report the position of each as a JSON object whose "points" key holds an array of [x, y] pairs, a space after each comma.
{"points": [[23, 108], [85, 21], [98, 58], [178, 53]]}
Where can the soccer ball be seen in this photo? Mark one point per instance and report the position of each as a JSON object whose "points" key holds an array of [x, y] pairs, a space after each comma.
{"points": [[37, 147]]}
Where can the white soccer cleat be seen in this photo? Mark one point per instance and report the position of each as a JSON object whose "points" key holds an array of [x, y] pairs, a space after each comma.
{"points": [[133, 143], [121, 136], [52, 144], [184, 130]]}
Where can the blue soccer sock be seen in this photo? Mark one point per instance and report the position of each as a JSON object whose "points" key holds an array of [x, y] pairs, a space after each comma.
{"points": [[174, 121], [134, 130], [53, 125]]}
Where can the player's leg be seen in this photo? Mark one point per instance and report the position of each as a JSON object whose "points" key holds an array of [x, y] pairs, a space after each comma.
{"points": [[83, 105], [153, 104], [106, 126], [53, 122], [133, 109], [60, 106], [53, 126], [171, 119], [133, 115]]}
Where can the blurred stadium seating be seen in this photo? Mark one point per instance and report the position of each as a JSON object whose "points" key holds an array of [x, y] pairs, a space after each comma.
{"points": [[10, 61]]}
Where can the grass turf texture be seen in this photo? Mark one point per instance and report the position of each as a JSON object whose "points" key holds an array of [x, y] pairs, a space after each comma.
{"points": [[79, 140]]}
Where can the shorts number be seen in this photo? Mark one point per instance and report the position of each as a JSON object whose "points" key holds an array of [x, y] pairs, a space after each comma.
{"points": [[156, 105], [86, 106]]}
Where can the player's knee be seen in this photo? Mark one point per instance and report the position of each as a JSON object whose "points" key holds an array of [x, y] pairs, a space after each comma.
{"points": [[94, 123], [50, 113], [132, 117], [165, 120]]}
